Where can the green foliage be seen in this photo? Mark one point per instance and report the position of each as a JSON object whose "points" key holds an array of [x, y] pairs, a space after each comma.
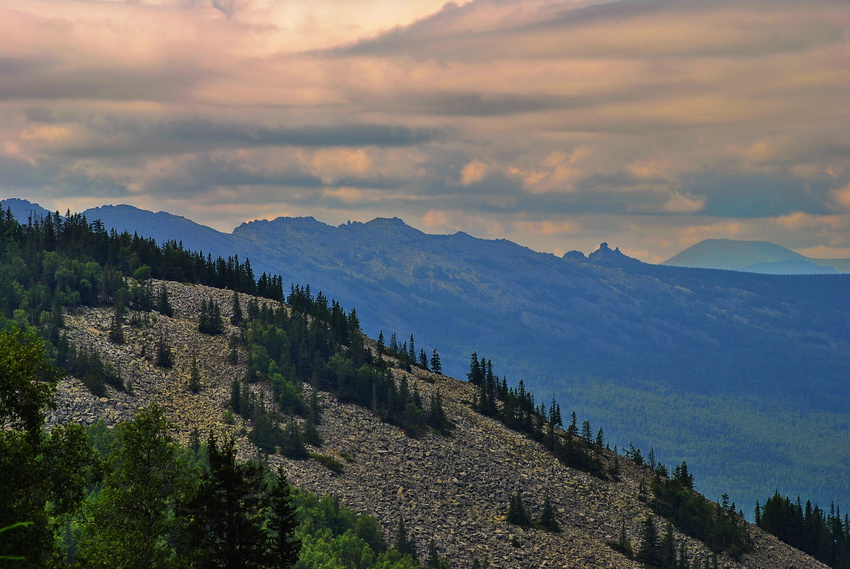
{"points": [[823, 535], [210, 320], [548, 520], [517, 513], [164, 357], [131, 518], [720, 528]]}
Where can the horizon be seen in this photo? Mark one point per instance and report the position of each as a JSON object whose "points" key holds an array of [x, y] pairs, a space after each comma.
{"points": [[230, 231], [556, 124]]}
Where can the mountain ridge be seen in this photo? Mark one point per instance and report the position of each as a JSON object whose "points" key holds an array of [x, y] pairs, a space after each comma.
{"points": [[737, 351]]}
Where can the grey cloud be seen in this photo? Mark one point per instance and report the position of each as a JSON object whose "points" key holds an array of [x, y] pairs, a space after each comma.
{"points": [[204, 135], [757, 196], [164, 83], [428, 39]]}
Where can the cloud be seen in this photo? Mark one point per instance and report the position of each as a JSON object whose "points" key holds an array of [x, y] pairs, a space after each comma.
{"points": [[544, 119]]}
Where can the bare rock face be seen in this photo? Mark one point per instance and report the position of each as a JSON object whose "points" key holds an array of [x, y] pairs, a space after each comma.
{"points": [[451, 490]]}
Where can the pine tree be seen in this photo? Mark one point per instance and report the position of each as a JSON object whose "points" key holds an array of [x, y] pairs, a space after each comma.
{"points": [[194, 376], [547, 517], [224, 515], [624, 545], [282, 524], [668, 549], [292, 445], [164, 306], [423, 359], [404, 542], [650, 548], [236, 317], [436, 365], [517, 514], [164, 357], [119, 312]]}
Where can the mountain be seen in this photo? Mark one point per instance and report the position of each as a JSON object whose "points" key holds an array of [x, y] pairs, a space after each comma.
{"points": [[755, 257], [741, 374], [453, 491], [23, 210]]}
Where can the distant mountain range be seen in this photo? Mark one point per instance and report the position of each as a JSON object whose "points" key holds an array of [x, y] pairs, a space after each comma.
{"points": [[743, 375], [754, 257]]}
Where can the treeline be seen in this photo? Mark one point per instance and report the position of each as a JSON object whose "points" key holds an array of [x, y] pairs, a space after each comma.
{"points": [[315, 341], [515, 407], [823, 535], [720, 527]]}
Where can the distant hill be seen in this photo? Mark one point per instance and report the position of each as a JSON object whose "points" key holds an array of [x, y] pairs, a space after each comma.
{"points": [[741, 374], [754, 257], [23, 209]]}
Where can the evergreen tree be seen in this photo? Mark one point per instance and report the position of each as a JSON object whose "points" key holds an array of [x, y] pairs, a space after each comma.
{"points": [[282, 524], [164, 357], [225, 513], [404, 542], [164, 306], [236, 317], [436, 365], [624, 545], [668, 549], [423, 359], [517, 514], [292, 445], [194, 376], [547, 517], [119, 313], [650, 547]]}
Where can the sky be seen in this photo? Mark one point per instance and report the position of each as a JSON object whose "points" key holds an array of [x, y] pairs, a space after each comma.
{"points": [[648, 124]]}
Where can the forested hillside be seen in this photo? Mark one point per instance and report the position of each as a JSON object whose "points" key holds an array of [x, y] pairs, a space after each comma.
{"points": [[459, 473]]}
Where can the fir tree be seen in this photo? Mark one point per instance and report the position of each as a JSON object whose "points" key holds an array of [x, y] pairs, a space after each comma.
{"points": [[547, 517], [404, 542], [194, 376], [164, 357], [164, 306], [517, 514], [650, 548], [236, 317], [282, 524], [119, 312], [436, 365]]}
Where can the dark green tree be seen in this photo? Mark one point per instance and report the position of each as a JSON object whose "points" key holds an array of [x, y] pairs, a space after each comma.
{"points": [[225, 513], [164, 357], [236, 318], [404, 542], [282, 523], [194, 376], [517, 513], [547, 517], [119, 314], [164, 306], [436, 364], [650, 547]]}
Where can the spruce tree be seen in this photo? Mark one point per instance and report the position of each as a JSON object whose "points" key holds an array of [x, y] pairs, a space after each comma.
{"points": [[164, 306], [164, 357], [282, 524], [547, 517], [517, 514], [194, 376], [436, 365], [236, 317], [650, 547], [404, 542], [119, 312]]}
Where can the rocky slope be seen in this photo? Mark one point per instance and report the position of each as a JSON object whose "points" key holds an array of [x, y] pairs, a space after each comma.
{"points": [[452, 490]]}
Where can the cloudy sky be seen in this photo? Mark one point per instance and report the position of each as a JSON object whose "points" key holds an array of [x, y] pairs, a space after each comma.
{"points": [[650, 124]]}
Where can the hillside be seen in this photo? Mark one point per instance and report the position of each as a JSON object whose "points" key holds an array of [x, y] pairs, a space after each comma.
{"points": [[452, 489], [756, 364]]}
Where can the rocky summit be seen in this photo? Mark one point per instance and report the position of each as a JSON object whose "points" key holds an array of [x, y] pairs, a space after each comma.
{"points": [[452, 490]]}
